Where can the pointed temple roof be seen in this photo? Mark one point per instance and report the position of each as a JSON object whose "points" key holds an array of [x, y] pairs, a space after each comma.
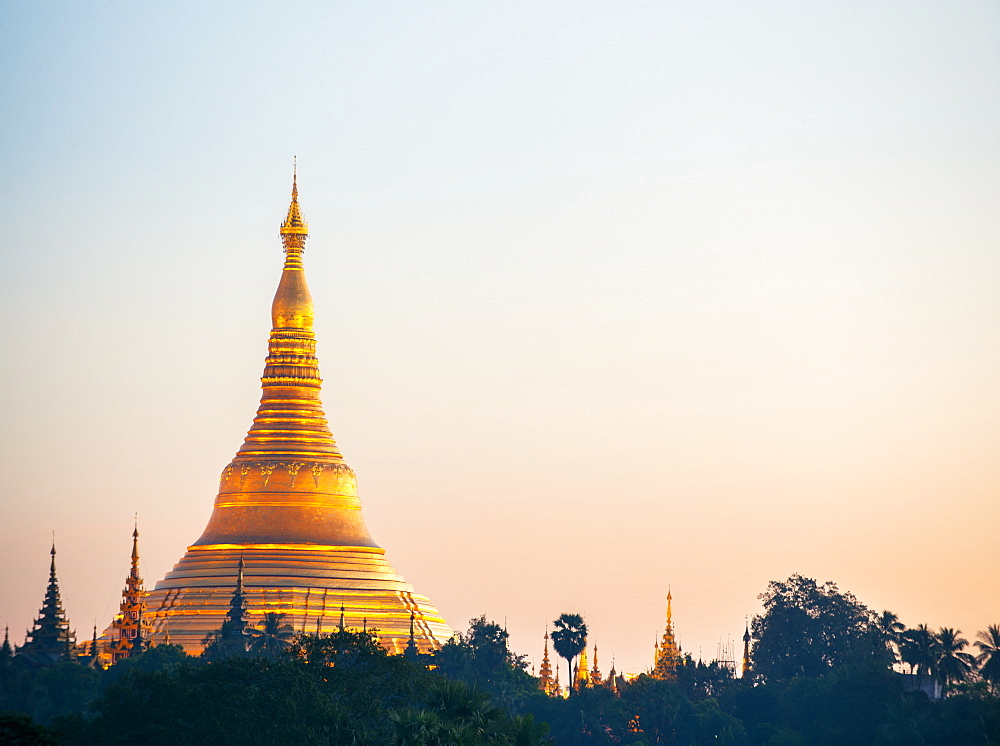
{"points": [[595, 671], [545, 682], [746, 650], [294, 230], [51, 640], [411, 646], [236, 618], [612, 682], [289, 504], [130, 628], [668, 655], [6, 651]]}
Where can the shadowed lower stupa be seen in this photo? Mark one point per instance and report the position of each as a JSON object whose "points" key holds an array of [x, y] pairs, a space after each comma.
{"points": [[288, 505]]}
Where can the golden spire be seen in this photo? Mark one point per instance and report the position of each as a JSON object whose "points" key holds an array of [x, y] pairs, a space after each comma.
{"points": [[668, 655], [582, 671], [595, 672], [130, 630], [289, 503], [290, 422], [293, 306], [545, 682], [294, 230]]}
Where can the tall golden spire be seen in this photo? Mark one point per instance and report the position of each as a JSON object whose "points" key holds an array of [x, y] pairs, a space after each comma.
{"points": [[294, 230], [595, 671], [293, 306], [289, 503], [582, 671], [290, 422], [668, 655], [545, 682], [130, 628]]}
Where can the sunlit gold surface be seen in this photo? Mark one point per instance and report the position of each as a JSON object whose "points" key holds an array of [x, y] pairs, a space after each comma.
{"points": [[668, 654], [288, 504]]}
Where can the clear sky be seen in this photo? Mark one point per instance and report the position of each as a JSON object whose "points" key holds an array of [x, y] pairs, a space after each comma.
{"points": [[611, 296]]}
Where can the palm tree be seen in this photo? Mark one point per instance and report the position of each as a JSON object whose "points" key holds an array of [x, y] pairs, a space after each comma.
{"points": [[455, 713], [917, 649], [273, 638], [989, 656], [952, 664], [569, 638], [891, 629], [413, 726]]}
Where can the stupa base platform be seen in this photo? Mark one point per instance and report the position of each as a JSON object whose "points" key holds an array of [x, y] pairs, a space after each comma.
{"points": [[307, 583]]}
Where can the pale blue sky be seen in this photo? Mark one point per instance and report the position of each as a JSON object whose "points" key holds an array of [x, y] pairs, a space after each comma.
{"points": [[698, 293]]}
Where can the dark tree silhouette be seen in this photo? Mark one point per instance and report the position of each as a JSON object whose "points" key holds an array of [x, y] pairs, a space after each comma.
{"points": [[569, 638], [274, 636], [455, 713], [988, 659], [807, 628], [889, 626], [953, 665], [482, 658], [917, 648]]}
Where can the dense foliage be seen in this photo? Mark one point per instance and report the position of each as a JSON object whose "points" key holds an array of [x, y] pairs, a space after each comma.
{"points": [[807, 629], [825, 671]]}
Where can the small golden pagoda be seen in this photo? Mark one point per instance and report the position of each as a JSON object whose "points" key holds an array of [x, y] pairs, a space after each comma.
{"points": [[595, 671], [288, 505], [582, 671], [545, 682], [130, 627], [668, 655]]}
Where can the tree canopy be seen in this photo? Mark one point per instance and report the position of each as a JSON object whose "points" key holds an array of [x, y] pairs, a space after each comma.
{"points": [[807, 629], [569, 638]]}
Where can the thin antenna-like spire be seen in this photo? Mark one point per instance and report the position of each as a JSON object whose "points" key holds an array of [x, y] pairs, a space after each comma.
{"points": [[746, 647], [411, 646], [294, 230]]}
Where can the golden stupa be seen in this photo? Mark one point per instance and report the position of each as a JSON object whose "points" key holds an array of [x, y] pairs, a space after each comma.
{"points": [[288, 505]]}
